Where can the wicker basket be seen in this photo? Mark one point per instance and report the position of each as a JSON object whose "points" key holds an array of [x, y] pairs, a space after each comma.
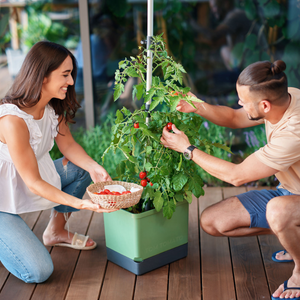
{"points": [[115, 201]]}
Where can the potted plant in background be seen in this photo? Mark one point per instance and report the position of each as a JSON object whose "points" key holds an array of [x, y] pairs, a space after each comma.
{"points": [[155, 231]]}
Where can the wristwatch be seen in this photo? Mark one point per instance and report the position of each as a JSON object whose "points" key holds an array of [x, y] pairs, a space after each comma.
{"points": [[188, 152]]}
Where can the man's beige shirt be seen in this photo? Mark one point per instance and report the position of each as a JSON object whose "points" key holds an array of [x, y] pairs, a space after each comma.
{"points": [[282, 151]]}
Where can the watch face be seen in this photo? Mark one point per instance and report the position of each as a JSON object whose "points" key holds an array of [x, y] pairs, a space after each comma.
{"points": [[187, 155]]}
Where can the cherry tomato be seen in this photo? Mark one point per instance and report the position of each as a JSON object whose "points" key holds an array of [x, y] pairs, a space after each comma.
{"points": [[107, 191], [169, 126], [126, 192], [148, 179], [116, 193], [173, 93], [151, 183], [136, 125], [143, 174], [103, 193], [144, 182]]}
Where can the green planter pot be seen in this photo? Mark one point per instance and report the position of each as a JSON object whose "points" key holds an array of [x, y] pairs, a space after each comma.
{"points": [[146, 241]]}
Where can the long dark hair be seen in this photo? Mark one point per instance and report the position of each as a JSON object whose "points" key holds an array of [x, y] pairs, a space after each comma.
{"points": [[42, 59], [266, 78]]}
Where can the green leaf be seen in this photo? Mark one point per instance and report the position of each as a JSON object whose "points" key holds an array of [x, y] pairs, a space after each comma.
{"points": [[155, 102], [148, 150], [179, 181], [158, 200], [131, 72], [250, 9], [120, 168], [195, 185], [179, 197], [151, 134], [148, 166], [140, 90], [169, 209], [119, 116], [189, 197], [175, 101], [118, 90], [272, 9]]}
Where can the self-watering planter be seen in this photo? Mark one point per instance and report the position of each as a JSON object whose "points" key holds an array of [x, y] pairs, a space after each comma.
{"points": [[143, 242]]}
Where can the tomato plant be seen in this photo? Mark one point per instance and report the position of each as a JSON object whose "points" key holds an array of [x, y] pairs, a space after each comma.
{"points": [[175, 179]]}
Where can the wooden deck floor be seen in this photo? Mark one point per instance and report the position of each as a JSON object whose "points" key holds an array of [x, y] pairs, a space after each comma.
{"points": [[215, 268]]}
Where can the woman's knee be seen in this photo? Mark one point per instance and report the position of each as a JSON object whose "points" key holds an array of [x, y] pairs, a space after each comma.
{"points": [[39, 272]]}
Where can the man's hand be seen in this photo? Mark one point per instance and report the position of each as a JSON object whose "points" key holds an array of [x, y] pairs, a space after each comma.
{"points": [[177, 141], [98, 173], [185, 107]]}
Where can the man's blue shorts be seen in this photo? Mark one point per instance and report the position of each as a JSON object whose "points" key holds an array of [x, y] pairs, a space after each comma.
{"points": [[256, 202]]}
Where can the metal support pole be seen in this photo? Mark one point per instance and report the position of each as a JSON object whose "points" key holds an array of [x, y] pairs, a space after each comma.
{"points": [[149, 53], [87, 69]]}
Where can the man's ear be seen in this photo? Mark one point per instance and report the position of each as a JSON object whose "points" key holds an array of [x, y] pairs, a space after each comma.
{"points": [[266, 105]]}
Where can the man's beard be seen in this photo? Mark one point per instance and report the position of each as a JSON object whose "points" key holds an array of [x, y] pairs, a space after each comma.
{"points": [[254, 119]]}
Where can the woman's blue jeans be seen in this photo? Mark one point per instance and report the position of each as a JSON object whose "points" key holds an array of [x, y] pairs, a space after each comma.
{"points": [[21, 252]]}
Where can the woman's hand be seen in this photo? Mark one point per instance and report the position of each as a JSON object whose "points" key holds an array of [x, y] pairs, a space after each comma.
{"points": [[98, 173], [90, 205], [177, 141]]}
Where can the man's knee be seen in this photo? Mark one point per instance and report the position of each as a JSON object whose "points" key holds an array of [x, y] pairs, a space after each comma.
{"points": [[278, 213], [208, 222]]}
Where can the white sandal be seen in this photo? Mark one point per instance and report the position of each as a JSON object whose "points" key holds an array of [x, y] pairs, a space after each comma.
{"points": [[78, 243]]}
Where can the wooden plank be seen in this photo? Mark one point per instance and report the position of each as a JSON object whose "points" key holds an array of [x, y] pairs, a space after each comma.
{"points": [[185, 274], [152, 285], [217, 277], [64, 260], [118, 283], [89, 273], [248, 268]]}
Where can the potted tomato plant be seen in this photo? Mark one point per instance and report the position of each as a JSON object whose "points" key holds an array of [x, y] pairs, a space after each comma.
{"points": [[155, 231]]}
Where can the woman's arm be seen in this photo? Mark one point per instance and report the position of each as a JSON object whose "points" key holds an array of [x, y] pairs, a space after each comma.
{"points": [[14, 133], [76, 154]]}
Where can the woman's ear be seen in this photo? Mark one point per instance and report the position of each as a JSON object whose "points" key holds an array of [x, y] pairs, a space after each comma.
{"points": [[45, 80]]}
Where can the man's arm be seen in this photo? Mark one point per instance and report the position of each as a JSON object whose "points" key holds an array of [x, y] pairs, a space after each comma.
{"points": [[219, 115], [237, 174]]}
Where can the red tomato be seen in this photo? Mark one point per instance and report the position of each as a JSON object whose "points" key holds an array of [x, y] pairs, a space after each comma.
{"points": [[144, 182], [126, 192], [143, 174], [103, 193], [169, 126], [106, 191], [116, 193], [136, 125], [151, 183]]}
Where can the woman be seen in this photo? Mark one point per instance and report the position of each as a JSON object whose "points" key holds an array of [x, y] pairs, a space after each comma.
{"points": [[35, 111]]}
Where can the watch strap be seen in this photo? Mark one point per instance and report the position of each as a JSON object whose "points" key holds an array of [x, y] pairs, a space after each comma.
{"points": [[192, 147]]}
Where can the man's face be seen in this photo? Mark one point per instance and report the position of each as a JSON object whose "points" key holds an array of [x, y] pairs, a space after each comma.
{"points": [[250, 102]]}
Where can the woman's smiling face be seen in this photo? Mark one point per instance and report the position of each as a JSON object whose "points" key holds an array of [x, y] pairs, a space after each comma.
{"points": [[56, 84]]}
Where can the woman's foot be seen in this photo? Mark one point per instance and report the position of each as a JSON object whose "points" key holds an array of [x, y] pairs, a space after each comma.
{"points": [[55, 233], [53, 238]]}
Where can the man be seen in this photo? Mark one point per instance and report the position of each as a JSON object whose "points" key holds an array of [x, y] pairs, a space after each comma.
{"points": [[265, 98]]}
